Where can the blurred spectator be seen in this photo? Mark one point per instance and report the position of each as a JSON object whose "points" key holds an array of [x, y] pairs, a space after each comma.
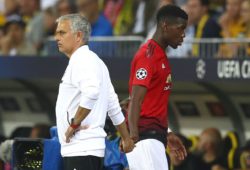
{"points": [[40, 131], [186, 164], [13, 42], [35, 32], [245, 14], [64, 7], [112, 9], [205, 25], [232, 27], [144, 16], [209, 150], [11, 7], [217, 7], [231, 21], [120, 13], [99, 23], [23, 132], [50, 16]]}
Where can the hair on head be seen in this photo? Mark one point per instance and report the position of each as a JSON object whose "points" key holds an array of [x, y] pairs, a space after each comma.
{"points": [[170, 12]]}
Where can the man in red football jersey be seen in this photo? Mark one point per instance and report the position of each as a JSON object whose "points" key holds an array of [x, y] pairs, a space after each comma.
{"points": [[149, 88]]}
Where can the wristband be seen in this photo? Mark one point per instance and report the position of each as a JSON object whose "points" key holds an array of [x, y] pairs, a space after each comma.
{"points": [[74, 126]]}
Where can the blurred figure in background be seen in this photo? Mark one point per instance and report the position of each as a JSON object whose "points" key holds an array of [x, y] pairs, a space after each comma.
{"points": [[232, 27], [40, 131], [205, 26], [209, 150], [120, 13], [13, 42], [99, 23], [11, 7], [245, 14], [33, 17], [145, 12], [64, 7], [50, 16], [231, 21]]}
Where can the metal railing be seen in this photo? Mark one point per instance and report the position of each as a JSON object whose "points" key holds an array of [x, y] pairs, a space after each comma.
{"points": [[105, 47], [126, 47], [213, 48]]}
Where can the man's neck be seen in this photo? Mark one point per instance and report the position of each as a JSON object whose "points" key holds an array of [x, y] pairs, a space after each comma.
{"points": [[77, 47], [158, 38]]}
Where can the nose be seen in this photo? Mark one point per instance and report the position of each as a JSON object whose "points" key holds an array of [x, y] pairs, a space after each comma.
{"points": [[56, 37]]}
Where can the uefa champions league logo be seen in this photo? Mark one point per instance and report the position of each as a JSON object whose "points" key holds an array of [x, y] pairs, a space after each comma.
{"points": [[200, 69]]}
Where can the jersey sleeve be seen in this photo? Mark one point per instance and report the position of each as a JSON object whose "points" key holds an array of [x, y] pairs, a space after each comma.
{"points": [[142, 72]]}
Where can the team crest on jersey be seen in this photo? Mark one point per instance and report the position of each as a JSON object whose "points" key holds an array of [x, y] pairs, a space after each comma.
{"points": [[169, 79], [141, 73], [168, 83]]}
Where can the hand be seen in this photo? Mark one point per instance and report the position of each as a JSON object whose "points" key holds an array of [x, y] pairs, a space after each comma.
{"points": [[71, 132], [176, 147], [127, 145], [134, 135]]}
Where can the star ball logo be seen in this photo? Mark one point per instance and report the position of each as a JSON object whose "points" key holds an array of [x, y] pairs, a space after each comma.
{"points": [[141, 73], [200, 69]]}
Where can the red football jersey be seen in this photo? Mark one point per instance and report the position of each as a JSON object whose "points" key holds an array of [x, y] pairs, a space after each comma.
{"points": [[150, 68]]}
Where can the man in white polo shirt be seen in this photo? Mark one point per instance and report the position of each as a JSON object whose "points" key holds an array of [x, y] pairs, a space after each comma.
{"points": [[85, 97]]}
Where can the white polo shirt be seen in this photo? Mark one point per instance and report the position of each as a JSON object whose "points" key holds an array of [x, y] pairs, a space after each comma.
{"points": [[86, 83]]}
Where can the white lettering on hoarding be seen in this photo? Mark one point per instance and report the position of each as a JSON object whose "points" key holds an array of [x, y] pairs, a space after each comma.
{"points": [[229, 69]]}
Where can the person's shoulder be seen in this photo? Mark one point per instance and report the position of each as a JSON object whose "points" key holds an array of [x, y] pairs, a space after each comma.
{"points": [[148, 50]]}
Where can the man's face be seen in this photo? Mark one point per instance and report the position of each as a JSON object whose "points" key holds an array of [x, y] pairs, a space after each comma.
{"points": [[233, 7], [196, 9], [65, 38], [175, 33]]}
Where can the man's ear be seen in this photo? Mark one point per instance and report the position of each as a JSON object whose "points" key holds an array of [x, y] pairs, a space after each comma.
{"points": [[79, 36], [164, 26]]}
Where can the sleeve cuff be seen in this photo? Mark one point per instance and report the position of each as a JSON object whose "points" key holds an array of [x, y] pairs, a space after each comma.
{"points": [[117, 118]]}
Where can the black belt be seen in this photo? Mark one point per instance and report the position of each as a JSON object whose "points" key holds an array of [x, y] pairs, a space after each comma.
{"points": [[162, 137]]}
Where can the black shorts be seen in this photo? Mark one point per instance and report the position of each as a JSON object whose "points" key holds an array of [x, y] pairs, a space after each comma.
{"points": [[152, 134], [83, 163]]}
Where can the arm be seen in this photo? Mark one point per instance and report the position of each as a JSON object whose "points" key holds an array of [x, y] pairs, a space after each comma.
{"points": [[87, 81], [137, 96], [117, 118], [127, 144]]}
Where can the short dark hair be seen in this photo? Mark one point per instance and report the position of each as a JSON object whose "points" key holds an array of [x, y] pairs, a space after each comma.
{"points": [[170, 12]]}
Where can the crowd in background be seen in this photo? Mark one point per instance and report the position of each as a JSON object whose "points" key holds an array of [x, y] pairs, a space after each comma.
{"points": [[26, 25]]}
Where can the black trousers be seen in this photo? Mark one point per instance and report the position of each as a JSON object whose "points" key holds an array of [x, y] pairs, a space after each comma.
{"points": [[83, 163]]}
